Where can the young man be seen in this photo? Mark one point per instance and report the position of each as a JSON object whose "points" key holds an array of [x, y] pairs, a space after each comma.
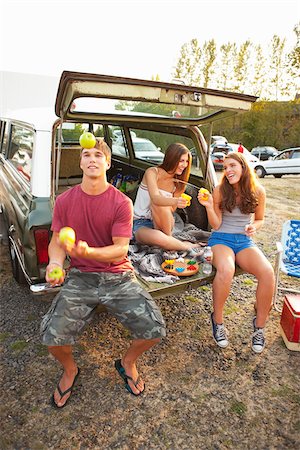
{"points": [[100, 273]]}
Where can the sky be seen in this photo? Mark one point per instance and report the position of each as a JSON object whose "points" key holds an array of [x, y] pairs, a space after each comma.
{"points": [[134, 38]]}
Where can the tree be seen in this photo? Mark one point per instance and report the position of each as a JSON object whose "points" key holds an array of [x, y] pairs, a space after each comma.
{"points": [[294, 60], [241, 68], [208, 62], [228, 54], [277, 83], [188, 65], [259, 76]]}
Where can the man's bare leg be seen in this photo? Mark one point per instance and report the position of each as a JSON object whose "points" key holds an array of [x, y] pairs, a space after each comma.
{"points": [[136, 349], [64, 354]]}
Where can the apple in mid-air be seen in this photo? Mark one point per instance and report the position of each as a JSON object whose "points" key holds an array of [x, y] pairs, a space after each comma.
{"points": [[56, 273], [67, 235], [87, 140], [205, 193]]}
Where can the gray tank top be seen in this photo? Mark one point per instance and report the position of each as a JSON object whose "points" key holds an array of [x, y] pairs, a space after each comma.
{"points": [[234, 222]]}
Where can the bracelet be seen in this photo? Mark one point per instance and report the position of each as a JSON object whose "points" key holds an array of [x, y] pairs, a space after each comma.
{"points": [[56, 263]]}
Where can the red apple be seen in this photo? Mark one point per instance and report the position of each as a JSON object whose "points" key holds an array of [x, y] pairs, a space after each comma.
{"points": [[87, 140]]}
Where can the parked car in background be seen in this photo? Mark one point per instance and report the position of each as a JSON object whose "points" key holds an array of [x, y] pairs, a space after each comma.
{"points": [[219, 151], [252, 160], [265, 152], [285, 163], [143, 149], [218, 139]]}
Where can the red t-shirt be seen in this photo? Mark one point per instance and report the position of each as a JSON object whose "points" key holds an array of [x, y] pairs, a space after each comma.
{"points": [[95, 219]]}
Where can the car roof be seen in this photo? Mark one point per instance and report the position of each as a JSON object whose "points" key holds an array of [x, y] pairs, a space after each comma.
{"points": [[38, 118]]}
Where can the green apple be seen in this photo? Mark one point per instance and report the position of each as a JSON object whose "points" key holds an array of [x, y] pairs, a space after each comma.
{"points": [[67, 235], [87, 140], [56, 273]]}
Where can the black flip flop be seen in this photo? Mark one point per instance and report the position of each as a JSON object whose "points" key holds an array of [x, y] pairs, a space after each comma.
{"points": [[125, 377], [62, 394]]}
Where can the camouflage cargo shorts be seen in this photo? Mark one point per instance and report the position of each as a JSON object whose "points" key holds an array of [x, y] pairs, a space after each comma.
{"points": [[75, 305]]}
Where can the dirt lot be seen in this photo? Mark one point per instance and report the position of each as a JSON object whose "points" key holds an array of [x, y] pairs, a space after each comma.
{"points": [[197, 395]]}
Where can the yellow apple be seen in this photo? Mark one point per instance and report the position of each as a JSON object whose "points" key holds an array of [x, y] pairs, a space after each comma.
{"points": [[67, 235], [55, 273], [205, 193], [87, 140]]}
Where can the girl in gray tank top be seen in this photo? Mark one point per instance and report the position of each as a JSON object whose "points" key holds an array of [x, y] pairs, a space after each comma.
{"points": [[235, 212]]}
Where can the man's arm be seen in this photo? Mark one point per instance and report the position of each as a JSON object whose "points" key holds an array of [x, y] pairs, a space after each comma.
{"points": [[57, 256], [110, 254]]}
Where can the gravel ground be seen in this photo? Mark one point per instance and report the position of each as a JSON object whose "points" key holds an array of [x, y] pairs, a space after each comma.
{"points": [[197, 395]]}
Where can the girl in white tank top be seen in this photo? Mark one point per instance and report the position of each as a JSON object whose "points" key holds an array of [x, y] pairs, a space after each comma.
{"points": [[158, 196]]}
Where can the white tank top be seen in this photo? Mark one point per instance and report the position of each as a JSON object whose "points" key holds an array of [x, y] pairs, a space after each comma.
{"points": [[142, 209]]}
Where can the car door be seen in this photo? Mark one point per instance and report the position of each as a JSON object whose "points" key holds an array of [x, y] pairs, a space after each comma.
{"points": [[284, 163]]}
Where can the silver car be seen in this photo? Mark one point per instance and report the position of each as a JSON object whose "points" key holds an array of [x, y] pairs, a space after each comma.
{"points": [[286, 162]]}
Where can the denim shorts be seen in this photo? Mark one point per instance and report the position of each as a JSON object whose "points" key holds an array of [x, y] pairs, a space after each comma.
{"points": [[121, 295], [139, 223], [237, 242]]}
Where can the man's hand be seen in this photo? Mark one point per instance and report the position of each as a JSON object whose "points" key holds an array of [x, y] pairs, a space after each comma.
{"points": [[81, 250], [55, 274]]}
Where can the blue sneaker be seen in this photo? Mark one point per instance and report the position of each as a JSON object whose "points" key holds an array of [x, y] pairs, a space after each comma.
{"points": [[219, 333], [258, 338]]}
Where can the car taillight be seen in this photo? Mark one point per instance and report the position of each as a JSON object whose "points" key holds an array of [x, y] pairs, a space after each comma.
{"points": [[41, 242]]}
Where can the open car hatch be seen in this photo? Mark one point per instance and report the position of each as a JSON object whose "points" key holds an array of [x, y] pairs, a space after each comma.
{"points": [[92, 97]]}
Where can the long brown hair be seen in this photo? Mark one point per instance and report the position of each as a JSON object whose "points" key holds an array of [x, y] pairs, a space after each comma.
{"points": [[171, 160], [248, 184]]}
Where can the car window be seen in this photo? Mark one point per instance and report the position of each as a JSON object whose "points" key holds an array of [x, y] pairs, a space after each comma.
{"points": [[284, 155], [296, 154], [2, 136], [20, 150], [118, 141], [151, 146]]}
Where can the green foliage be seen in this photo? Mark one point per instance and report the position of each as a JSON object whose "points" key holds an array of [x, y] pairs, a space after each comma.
{"points": [[4, 336], [73, 135], [19, 346], [272, 73], [268, 123], [238, 408]]}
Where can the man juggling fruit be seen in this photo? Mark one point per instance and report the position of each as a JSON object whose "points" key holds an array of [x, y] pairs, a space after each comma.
{"points": [[96, 238]]}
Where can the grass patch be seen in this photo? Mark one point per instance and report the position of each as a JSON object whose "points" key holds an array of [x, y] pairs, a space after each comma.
{"points": [[4, 336], [204, 288], [126, 334], [192, 299], [238, 408], [31, 317], [42, 350], [199, 399], [297, 426], [230, 308], [19, 346], [286, 392]]}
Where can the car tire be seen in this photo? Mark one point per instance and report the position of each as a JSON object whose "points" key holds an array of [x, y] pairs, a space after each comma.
{"points": [[15, 265], [277, 175], [260, 171]]}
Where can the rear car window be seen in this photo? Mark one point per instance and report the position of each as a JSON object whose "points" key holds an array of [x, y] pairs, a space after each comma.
{"points": [[20, 150]]}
